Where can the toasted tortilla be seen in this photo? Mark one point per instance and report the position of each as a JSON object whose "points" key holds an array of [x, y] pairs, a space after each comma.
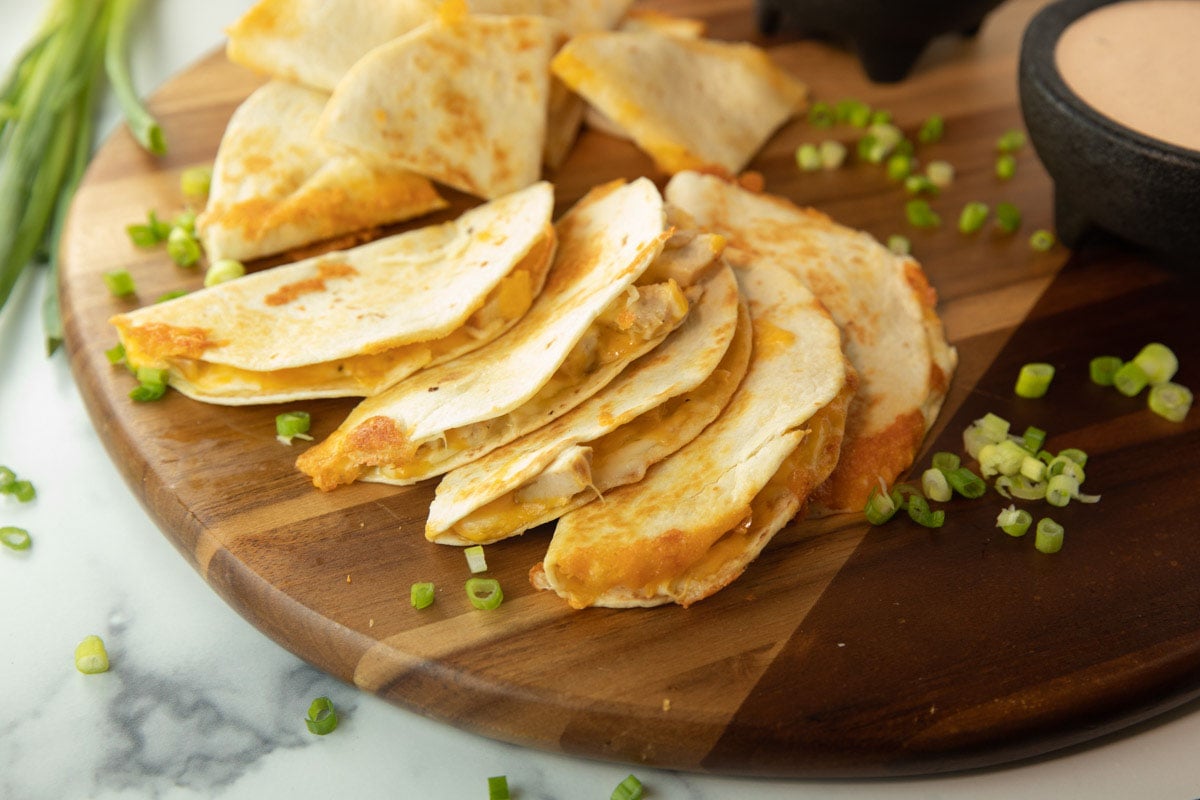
{"points": [[883, 304], [277, 186], [688, 103], [351, 323], [586, 325], [700, 516], [461, 99], [650, 410]]}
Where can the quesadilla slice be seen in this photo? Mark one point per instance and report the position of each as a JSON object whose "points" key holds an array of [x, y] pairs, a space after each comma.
{"points": [[651, 409], [688, 103], [276, 186], [461, 100], [883, 304], [700, 516], [592, 319], [353, 322]]}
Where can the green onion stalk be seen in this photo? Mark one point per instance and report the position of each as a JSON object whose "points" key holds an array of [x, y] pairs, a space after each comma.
{"points": [[47, 106]]}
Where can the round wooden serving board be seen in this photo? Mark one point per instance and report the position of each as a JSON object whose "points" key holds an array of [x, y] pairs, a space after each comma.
{"points": [[844, 649]]}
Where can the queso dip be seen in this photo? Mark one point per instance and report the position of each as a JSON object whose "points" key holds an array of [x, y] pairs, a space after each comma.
{"points": [[1138, 63]]}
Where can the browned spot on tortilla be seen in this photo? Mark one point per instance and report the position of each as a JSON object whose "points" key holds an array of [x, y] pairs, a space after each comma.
{"points": [[158, 339], [866, 459], [377, 441], [290, 291]]}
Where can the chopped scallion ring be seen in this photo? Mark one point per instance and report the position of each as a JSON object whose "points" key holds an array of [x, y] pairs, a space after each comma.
{"points": [[972, 217], [1014, 521], [946, 461], [920, 513], [1006, 166], [484, 593], [171, 295], [7, 479], [820, 115], [1008, 217], [880, 507], [1020, 487], [921, 215], [183, 247], [223, 269], [476, 559], [421, 595], [322, 718], [1033, 439], [900, 245], [966, 482], [1049, 537], [920, 184], [1074, 454], [1158, 362], [899, 166], [498, 788], [293, 425], [935, 486], [1034, 380], [1033, 468], [1041, 240], [91, 657], [994, 427], [1011, 141], [1170, 400], [808, 157], [1130, 379], [15, 538], [940, 173], [119, 283], [195, 181], [833, 154], [1061, 488], [115, 354], [932, 130], [148, 392], [1103, 368], [22, 490], [628, 789]]}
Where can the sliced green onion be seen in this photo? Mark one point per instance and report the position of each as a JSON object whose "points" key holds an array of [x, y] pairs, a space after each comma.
{"points": [[881, 117], [421, 595], [899, 166], [293, 425], [1014, 521], [994, 427], [498, 788], [182, 247], [860, 114], [476, 560], [1049, 537], [7, 479], [821, 115], [1011, 141], [484, 593], [1103, 368], [843, 109], [919, 512], [1006, 167], [90, 656], [143, 236], [880, 507], [195, 182], [160, 227], [900, 245], [119, 283], [151, 375], [808, 157], [628, 789], [22, 490], [187, 221], [1130, 379], [1020, 486], [1041, 240], [1170, 400], [142, 125], [865, 147], [1008, 217], [1033, 469], [920, 215], [932, 130], [833, 154], [885, 139], [1034, 380], [1060, 489], [115, 354], [322, 718], [935, 486], [940, 173], [966, 482], [945, 461], [1074, 454], [974, 439], [171, 295], [148, 392], [920, 184], [223, 269], [1158, 362], [1033, 439], [972, 216], [15, 538]]}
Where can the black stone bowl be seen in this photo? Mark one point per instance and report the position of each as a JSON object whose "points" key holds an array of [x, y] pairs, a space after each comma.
{"points": [[1108, 179], [887, 35]]}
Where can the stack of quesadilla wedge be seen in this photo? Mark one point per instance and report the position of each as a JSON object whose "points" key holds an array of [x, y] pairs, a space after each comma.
{"points": [[353, 322]]}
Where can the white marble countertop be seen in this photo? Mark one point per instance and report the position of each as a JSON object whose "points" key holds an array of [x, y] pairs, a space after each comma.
{"points": [[198, 703]]}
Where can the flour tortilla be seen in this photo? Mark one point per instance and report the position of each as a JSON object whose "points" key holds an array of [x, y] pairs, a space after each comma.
{"points": [[667, 396], [585, 326], [699, 517], [461, 100], [688, 103], [352, 322], [883, 304], [276, 186]]}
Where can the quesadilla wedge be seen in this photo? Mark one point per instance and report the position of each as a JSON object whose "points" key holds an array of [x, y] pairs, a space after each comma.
{"points": [[883, 304], [651, 409], [461, 100], [591, 320], [350, 323], [688, 103], [276, 186], [700, 516]]}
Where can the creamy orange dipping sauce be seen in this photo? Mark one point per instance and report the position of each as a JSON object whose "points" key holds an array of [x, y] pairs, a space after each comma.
{"points": [[1137, 62]]}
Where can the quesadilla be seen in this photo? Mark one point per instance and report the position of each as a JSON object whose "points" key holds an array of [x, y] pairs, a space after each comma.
{"points": [[700, 516], [353, 322], [592, 319], [461, 99], [651, 409], [883, 304], [276, 186], [688, 103]]}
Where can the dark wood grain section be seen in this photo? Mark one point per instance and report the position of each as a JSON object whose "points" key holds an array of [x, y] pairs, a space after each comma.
{"points": [[843, 650]]}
